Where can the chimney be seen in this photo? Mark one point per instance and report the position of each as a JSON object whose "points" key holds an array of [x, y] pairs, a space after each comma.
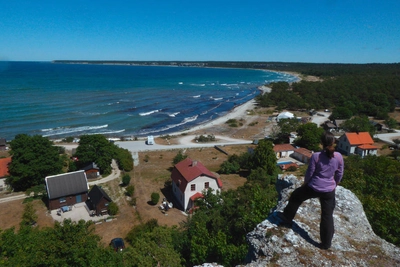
{"points": [[194, 163]]}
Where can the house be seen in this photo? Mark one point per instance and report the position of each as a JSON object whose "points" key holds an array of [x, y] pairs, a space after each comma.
{"points": [[92, 171], [98, 200], [4, 171], [378, 126], [3, 144], [66, 189], [302, 154], [338, 124], [360, 143], [329, 126], [189, 179], [4, 166], [284, 115], [283, 150]]}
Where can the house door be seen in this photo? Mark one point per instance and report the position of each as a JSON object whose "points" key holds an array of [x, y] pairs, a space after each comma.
{"points": [[78, 198]]}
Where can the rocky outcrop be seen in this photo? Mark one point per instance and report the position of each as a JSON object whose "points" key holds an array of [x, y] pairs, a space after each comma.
{"points": [[354, 243]]}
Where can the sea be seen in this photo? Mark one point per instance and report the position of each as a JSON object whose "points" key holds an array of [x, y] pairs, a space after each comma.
{"points": [[60, 100]]}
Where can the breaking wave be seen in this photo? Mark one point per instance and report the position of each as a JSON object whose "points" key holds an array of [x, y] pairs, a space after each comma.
{"points": [[149, 113], [70, 130]]}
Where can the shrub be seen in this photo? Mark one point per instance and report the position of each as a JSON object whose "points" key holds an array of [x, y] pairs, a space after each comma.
{"points": [[155, 197], [113, 209], [126, 179], [229, 167], [130, 190], [291, 168], [202, 138], [231, 121], [146, 158], [179, 157], [68, 139]]}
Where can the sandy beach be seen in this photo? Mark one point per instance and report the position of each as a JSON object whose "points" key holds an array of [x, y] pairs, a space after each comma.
{"points": [[236, 113]]}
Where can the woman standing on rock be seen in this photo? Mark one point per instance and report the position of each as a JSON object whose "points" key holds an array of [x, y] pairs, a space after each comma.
{"points": [[324, 173]]}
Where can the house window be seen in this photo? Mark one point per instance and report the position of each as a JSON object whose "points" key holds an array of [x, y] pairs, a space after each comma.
{"points": [[63, 199], [206, 185], [193, 187]]}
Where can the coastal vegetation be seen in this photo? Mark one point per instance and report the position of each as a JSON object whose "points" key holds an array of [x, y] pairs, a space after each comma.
{"points": [[349, 90], [35, 157], [204, 138], [216, 232]]}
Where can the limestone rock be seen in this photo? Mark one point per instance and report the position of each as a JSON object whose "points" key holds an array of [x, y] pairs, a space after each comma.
{"points": [[354, 242]]}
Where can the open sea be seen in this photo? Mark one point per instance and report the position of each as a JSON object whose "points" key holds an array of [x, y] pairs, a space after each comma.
{"points": [[59, 100]]}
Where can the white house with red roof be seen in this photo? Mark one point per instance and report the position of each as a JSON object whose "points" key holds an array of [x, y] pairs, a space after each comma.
{"points": [[283, 150], [189, 179], [360, 143], [4, 162]]}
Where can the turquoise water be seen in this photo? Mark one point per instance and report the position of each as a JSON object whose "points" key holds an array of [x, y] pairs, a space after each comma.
{"points": [[58, 100]]}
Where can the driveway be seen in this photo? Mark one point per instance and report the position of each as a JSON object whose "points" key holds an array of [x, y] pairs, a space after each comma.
{"points": [[388, 137], [78, 212]]}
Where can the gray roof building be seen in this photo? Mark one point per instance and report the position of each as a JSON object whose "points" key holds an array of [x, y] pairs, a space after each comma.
{"points": [[66, 184]]}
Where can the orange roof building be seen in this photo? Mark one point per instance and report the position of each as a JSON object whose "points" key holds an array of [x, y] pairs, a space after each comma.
{"points": [[360, 143]]}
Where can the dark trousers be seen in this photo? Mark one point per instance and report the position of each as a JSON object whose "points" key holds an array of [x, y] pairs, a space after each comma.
{"points": [[327, 201]]}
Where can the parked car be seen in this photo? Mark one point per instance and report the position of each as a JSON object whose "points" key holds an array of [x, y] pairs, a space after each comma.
{"points": [[117, 244]]}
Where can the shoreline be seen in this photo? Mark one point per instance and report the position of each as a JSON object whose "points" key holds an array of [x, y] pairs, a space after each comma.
{"points": [[235, 113]]}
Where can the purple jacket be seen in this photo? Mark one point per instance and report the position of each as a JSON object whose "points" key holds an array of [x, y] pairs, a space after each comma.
{"points": [[323, 174]]}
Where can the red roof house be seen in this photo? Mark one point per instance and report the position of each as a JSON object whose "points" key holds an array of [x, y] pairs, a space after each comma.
{"points": [[283, 150], [189, 179], [360, 143], [4, 166]]}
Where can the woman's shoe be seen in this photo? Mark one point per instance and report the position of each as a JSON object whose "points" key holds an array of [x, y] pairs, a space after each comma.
{"points": [[283, 220]]}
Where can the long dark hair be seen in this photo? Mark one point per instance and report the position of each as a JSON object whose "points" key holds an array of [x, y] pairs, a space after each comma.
{"points": [[328, 144]]}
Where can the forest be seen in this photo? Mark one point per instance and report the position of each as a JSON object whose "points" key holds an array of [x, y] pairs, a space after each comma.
{"points": [[217, 230]]}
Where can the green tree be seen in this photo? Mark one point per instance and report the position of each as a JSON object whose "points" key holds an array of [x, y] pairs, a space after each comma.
{"points": [[113, 208], [288, 125], [130, 190], [375, 181], [33, 158], [231, 165], [264, 157], [391, 123], [309, 136], [124, 159], [153, 245], [341, 113], [259, 174], [29, 216], [95, 148], [359, 124], [126, 179], [66, 244], [178, 158], [155, 197]]}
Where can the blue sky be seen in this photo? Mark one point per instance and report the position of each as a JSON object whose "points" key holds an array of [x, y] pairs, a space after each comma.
{"points": [[337, 31]]}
